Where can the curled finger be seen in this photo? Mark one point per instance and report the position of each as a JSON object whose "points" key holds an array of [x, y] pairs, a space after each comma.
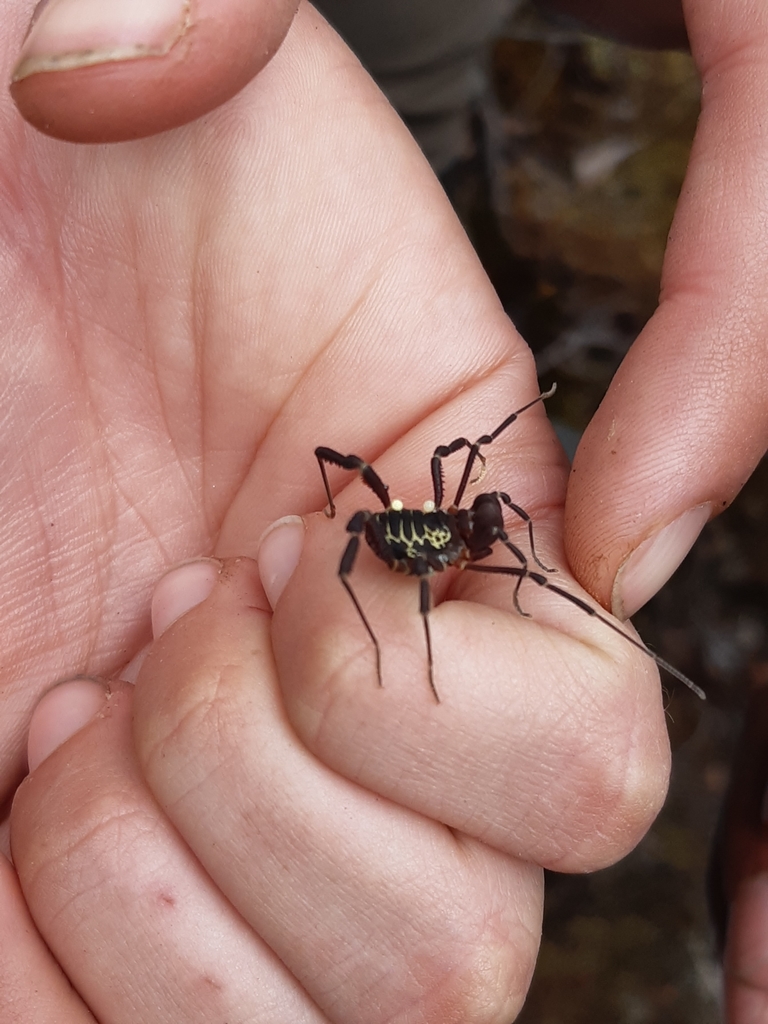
{"points": [[380, 913]]}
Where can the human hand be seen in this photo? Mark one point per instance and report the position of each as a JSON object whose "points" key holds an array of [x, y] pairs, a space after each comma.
{"points": [[686, 418], [294, 894], [373, 912], [172, 357]]}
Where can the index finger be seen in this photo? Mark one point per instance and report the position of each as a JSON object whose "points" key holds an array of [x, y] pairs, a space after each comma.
{"points": [[686, 418]]}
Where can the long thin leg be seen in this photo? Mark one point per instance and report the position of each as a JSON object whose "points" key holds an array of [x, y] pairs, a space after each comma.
{"points": [[425, 604], [523, 573], [526, 519], [345, 568], [369, 475], [542, 581], [474, 452], [499, 534]]}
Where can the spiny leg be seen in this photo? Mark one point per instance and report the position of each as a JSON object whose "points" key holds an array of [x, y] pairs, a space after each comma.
{"points": [[474, 452], [353, 462], [425, 604], [345, 568], [436, 467], [542, 581]]}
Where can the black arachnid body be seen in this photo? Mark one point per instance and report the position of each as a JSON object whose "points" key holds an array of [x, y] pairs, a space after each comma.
{"points": [[420, 542]]}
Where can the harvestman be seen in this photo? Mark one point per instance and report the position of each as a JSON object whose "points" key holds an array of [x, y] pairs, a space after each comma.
{"points": [[421, 542]]}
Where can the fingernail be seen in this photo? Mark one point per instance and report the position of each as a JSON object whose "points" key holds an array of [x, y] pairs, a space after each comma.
{"points": [[180, 590], [61, 713], [651, 564], [279, 554], [68, 34], [130, 673]]}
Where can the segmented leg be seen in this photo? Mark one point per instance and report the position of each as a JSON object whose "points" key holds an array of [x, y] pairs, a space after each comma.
{"points": [[488, 528], [443, 451], [425, 604], [526, 519], [523, 573], [542, 581], [356, 527], [353, 462]]}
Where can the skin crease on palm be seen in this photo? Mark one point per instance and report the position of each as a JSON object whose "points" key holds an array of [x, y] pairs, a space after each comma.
{"points": [[180, 314]]}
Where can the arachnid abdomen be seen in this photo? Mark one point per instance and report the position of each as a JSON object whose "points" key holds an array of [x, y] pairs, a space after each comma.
{"points": [[414, 542]]}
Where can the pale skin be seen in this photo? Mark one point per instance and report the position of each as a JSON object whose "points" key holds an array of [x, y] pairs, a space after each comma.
{"points": [[186, 318]]}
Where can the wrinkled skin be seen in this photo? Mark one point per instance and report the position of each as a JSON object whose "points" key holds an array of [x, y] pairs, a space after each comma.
{"points": [[186, 317]]}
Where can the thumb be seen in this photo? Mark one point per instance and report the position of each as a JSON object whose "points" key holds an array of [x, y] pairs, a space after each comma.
{"points": [[90, 71], [686, 419]]}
